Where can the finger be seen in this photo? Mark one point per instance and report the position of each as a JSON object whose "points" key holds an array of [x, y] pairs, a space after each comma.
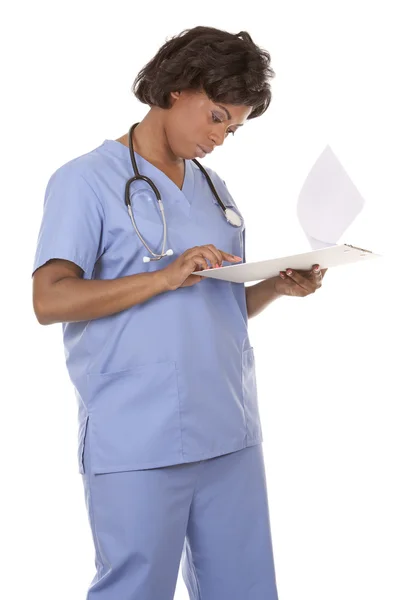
{"points": [[209, 254], [316, 274], [197, 261], [307, 272], [230, 257], [302, 281], [192, 280], [217, 252]]}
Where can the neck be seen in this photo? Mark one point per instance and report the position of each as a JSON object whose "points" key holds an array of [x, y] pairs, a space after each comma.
{"points": [[150, 140]]}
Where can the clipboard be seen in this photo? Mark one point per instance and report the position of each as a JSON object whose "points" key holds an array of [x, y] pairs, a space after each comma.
{"points": [[328, 257]]}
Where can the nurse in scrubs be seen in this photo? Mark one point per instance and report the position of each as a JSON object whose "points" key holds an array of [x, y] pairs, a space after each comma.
{"points": [[170, 441]]}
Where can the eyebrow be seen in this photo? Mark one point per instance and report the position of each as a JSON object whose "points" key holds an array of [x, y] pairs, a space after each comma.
{"points": [[229, 116]]}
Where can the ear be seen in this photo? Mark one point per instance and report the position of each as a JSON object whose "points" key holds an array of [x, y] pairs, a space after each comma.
{"points": [[175, 95]]}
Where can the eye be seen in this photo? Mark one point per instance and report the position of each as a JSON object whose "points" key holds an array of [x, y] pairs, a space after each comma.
{"points": [[215, 118]]}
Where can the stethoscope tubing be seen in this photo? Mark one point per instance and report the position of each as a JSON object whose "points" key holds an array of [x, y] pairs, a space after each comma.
{"points": [[138, 176]]}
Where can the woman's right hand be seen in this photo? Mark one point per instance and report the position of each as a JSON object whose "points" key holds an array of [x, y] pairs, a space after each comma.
{"points": [[178, 273]]}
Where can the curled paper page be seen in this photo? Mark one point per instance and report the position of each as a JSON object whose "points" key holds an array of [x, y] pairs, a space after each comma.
{"points": [[328, 201]]}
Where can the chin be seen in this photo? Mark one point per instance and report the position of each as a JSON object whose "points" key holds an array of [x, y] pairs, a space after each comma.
{"points": [[182, 154], [187, 151], [187, 155]]}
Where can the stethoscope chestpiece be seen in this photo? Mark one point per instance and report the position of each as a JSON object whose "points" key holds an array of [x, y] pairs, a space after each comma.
{"points": [[147, 259], [232, 217]]}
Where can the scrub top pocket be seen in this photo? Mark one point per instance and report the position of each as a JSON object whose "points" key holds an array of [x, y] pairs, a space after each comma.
{"points": [[134, 419]]}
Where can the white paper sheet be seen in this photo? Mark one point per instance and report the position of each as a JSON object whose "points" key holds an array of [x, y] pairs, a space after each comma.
{"points": [[327, 205], [328, 201], [331, 256]]}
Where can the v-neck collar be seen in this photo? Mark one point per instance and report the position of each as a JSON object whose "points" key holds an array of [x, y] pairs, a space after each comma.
{"points": [[183, 196]]}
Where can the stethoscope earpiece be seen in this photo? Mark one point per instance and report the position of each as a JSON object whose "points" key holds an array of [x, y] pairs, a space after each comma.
{"points": [[231, 216]]}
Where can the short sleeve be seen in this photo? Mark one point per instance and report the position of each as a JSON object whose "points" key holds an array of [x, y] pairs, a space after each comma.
{"points": [[72, 222]]}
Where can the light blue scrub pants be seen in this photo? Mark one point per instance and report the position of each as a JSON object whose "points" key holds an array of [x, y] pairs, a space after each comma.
{"points": [[212, 513]]}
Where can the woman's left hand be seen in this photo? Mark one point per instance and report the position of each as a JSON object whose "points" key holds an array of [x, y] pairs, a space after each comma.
{"points": [[299, 283]]}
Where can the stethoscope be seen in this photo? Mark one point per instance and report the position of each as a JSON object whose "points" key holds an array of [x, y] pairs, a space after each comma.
{"points": [[231, 216]]}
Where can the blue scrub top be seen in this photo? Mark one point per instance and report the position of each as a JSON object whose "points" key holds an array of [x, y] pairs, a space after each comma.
{"points": [[171, 380]]}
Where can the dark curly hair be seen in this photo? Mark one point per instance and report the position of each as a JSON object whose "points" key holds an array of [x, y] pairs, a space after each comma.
{"points": [[228, 67]]}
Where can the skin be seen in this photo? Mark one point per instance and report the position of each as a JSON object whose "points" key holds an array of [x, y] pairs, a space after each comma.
{"points": [[288, 283], [168, 137], [165, 138]]}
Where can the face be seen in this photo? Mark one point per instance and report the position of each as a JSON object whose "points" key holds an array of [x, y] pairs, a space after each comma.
{"points": [[195, 121]]}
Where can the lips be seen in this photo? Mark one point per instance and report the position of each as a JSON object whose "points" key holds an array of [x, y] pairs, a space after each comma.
{"points": [[206, 149]]}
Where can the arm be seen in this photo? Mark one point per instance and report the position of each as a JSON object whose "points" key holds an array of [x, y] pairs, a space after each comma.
{"points": [[260, 295], [288, 283], [72, 237], [60, 294]]}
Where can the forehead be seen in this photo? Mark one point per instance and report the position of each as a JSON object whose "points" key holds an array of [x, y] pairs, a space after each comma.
{"points": [[233, 112]]}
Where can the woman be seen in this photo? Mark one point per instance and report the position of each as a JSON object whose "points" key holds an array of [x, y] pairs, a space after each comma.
{"points": [[169, 433]]}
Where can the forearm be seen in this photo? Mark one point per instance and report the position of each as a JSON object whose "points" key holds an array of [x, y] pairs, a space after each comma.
{"points": [[72, 299], [260, 295]]}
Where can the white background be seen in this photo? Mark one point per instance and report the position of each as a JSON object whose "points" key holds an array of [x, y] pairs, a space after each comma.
{"points": [[330, 367]]}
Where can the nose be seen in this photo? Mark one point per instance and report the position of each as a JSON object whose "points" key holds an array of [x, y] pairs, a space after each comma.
{"points": [[217, 138]]}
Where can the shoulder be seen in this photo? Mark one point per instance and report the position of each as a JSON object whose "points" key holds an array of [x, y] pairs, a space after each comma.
{"points": [[84, 168], [79, 180], [74, 185]]}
